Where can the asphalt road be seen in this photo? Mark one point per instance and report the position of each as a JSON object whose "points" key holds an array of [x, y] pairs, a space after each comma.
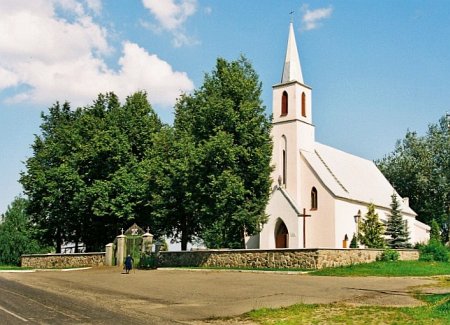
{"points": [[105, 296], [22, 304]]}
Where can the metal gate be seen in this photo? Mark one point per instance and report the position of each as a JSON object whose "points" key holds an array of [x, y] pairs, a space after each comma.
{"points": [[134, 242]]}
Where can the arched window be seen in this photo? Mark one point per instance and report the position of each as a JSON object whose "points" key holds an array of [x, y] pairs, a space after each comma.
{"points": [[284, 104], [303, 105], [313, 199]]}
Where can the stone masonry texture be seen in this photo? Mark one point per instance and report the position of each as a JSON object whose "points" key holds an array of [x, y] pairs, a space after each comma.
{"points": [[276, 258], [50, 261]]}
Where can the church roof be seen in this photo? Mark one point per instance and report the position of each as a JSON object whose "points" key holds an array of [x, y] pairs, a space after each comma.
{"points": [[292, 70], [351, 177]]}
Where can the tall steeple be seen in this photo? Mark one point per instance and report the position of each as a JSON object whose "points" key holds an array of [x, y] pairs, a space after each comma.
{"points": [[292, 71], [292, 128]]}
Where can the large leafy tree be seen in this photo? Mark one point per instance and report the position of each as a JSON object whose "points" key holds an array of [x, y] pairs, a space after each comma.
{"points": [[419, 168], [17, 234], [372, 230], [91, 170], [396, 227], [221, 163]]}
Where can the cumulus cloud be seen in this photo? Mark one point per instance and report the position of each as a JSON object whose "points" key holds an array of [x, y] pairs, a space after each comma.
{"points": [[312, 18], [47, 58], [171, 16]]}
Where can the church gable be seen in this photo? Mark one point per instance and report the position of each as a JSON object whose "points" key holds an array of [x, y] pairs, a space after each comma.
{"points": [[282, 203], [283, 220]]}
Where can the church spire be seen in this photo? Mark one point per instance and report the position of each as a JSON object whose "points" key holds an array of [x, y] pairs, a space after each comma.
{"points": [[292, 69]]}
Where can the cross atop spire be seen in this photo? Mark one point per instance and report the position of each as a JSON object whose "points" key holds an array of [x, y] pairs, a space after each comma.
{"points": [[292, 69]]}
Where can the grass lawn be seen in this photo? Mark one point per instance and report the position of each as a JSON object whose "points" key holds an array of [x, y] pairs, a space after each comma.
{"points": [[437, 311], [11, 267], [397, 268], [220, 268]]}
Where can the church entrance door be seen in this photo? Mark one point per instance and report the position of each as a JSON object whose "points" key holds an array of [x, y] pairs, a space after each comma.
{"points": [[281, 236]]}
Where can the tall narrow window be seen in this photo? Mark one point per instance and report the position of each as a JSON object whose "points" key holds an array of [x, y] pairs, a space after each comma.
{"points": [[313, 199], [284, 104], [303, 105], [284, 160]]}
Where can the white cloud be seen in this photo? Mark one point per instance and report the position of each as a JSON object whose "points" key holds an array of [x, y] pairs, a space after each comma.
{"points": [[94, 5], [312, 18], [7, 78], [171, 16], [58, 59]]}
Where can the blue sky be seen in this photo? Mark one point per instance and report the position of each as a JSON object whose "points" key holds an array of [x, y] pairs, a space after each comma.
{"points": [[377, 68]]}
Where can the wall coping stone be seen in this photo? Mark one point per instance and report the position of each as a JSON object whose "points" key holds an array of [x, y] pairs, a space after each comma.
{"points": [[226, 250]]}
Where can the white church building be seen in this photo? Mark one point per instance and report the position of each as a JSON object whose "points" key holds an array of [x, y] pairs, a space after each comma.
{"points": [[319, 193]]}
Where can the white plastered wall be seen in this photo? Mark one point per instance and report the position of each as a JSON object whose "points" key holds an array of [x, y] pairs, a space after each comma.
{"points": [[421, 232], [345, 220], [296, 129], [320, 227], [279, 208]]}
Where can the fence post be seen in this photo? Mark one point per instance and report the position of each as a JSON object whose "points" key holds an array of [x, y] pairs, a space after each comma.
{"points": [[109, 254], [121, 249], [147, 240]]}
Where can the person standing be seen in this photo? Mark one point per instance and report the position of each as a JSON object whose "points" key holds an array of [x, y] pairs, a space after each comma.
{"points": [[128, 263]]}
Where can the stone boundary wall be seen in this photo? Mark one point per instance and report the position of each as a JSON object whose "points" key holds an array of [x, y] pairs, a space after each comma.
{"points": [[50, 261], [276, 258]]}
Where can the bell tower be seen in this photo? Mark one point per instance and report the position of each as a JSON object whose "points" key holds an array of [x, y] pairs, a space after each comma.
{"points": [[292, 128]]}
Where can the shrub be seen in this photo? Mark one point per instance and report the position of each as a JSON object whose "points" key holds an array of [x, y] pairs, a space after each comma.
{"points": [[434, 251], [389, 255], [148, 262], [354, 242]]}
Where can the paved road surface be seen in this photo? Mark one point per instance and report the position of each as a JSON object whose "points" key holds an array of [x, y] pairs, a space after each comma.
{"points": [[105, 296], [22, 304]]}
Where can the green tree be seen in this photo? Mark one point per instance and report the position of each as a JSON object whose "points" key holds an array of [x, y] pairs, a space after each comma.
{"points": [[354, 242], [371, 232], [222, 159], [91, 172], [396, 228], [419, 168], [435, 234], [17, 234]]}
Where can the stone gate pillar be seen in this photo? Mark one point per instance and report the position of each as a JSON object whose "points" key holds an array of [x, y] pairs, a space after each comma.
{"points": [[147, 240], [121, 249], [109, 254]]}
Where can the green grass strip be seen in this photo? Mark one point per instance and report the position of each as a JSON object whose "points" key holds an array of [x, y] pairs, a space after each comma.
{"points": [[437, 311], [12, 268], [390, 269]]}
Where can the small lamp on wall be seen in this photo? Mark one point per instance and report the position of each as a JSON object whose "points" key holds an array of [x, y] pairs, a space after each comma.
{"points": [[357, 217]]}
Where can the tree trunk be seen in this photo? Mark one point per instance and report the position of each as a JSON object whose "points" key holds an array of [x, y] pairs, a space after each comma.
{"points": [[184, 233], [58, 241]]}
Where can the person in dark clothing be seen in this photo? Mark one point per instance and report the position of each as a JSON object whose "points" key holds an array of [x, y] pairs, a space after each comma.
{"points": [[128, 263]]}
